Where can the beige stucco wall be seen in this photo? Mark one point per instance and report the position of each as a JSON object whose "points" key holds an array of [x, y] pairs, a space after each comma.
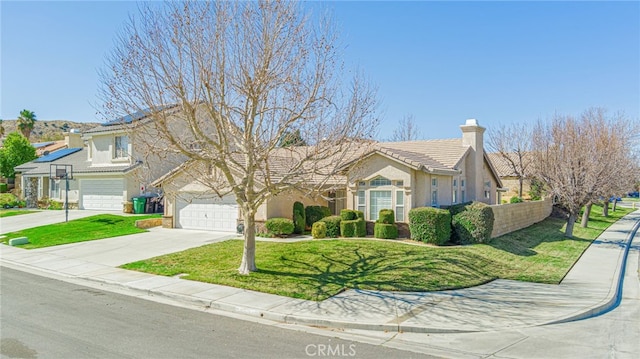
{"points": [[282, 205], [514, 216]]}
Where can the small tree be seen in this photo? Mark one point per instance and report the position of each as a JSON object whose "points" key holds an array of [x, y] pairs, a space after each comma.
{"points": [[407, 130], [16, 151], [26, 122]]}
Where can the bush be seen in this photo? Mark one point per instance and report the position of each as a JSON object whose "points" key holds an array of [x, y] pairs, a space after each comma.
{"points": [[385, 231], [430, 225], [360, 215], [279, 226], [299, 221], [474, 224], [457, 208], [55, 205], [319, 230], [515, 200], [386, 216], [348, 214], [353, 228], [315, 213], [8, 200], [333, 226]]}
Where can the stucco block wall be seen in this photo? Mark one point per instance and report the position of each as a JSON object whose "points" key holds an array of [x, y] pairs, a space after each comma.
{"points": [[282, 205], [515, 216]]}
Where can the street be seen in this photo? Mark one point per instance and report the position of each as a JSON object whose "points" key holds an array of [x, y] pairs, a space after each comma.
{"points": [[47, 318]]}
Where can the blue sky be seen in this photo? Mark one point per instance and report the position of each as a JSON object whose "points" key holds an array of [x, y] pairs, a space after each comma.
{"points": [[442, 62]]}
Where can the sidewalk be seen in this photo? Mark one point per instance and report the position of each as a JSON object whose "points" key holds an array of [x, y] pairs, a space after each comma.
{"points": [[592, 287]]}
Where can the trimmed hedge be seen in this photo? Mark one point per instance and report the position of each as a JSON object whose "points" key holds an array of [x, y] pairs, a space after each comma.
{"points": [[299, 220], [430, 225], [474, 224], [353, 228], [348, 214], [386, 216], [457, 208], [319, 230], [385, 231], [279, 226], [315, 213], [360, 215], [333, 226]]}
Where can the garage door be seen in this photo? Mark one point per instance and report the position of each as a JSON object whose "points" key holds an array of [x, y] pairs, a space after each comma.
{"points": [[104, 194], [207, 214]]}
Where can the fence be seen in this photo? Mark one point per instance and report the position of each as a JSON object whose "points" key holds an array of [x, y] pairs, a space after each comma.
{"points": [[514, 216]]}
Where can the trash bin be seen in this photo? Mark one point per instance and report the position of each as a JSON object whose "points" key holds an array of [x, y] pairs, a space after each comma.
{"points": [[3, 187], [139, 204]]}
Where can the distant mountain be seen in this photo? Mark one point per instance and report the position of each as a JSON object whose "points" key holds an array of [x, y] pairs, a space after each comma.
{"points": [[49, 130]]}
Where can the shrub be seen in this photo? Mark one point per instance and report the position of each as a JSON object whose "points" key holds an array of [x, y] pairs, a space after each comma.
{"points": [[430, 225], [385, 231], [515, 200], [474, 224], [333, 226], [386, 216], [299, 220], [360, 215], [279, 226], [353, 228], [457, 208], [319, 230], [55, 205], [8, 200], [348, 214], [315, 213]]}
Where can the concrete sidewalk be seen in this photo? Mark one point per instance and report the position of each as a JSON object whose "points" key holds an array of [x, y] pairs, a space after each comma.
{"points": [[592, 287]]}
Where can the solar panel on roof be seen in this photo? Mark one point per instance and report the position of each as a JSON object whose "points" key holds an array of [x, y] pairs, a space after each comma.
{"points": [[57, 155], [133, 116], [41, 144]]}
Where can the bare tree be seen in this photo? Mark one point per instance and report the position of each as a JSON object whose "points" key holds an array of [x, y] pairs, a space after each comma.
{"points": [[225, 81], [579, 159], [513, 144], [407, 130]]}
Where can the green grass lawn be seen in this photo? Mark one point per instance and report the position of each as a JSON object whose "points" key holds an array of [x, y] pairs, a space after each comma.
{"points": [[79, 230], [12, 212], [319, 269]]}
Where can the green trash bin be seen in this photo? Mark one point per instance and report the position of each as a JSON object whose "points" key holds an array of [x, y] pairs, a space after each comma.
{"points": [[3, 188], [138, 204]]}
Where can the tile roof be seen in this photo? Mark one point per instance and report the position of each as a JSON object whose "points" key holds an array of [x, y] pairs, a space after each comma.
{"points": [[427, 154], [79, 162], [502, 165]]}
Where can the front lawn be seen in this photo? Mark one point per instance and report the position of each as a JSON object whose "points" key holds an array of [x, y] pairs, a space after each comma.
{"points": [[79, 230], [319, 269], [11, 212]]}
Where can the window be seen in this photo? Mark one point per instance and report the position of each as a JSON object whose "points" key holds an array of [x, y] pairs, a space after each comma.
{"points": [[454, 198], [379, 181], [399, 206], [378, 200], [462, 185], [362, 183], [434, 182], [361, 200], [54, 189], [462, 196], [487, 194], [487, 184], [455, 182], [122, 147], [399, 183], [434, 198]]}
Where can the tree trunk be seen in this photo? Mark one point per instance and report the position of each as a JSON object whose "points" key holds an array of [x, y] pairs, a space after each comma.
{"points": [[248, 263], [605, 209], [615, 204], [570, 222], [585, 215], [521, 180]]}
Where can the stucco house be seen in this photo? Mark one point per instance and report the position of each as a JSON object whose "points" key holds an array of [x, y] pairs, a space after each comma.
{"points": [[111, 164], [509, 177], [395, 175]]}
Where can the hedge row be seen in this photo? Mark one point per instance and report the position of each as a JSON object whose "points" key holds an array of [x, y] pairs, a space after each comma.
{"points": [[464, 223]]}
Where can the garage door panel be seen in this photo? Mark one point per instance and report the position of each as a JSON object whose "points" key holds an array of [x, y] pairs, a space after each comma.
{"points": [[206, 214], [104, 194]]}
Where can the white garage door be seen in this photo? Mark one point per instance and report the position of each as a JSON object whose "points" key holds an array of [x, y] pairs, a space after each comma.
{"points": [[207, 214], [104, 194]]}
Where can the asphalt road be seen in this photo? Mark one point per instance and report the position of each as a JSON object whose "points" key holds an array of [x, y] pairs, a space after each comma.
{"points": [[47, 318]]}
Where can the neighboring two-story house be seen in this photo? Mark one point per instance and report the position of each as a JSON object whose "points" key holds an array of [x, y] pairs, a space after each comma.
{"points": [[110, 165]]}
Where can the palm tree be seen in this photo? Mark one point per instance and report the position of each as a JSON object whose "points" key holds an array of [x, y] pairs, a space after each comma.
{"points": [[26, 121]]}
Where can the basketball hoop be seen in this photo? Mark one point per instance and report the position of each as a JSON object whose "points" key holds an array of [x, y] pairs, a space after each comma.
{"points": [[58, 172]]}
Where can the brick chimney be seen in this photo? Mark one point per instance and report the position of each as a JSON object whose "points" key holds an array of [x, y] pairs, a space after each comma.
{"points": [[472, 136], [73, 139]]}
